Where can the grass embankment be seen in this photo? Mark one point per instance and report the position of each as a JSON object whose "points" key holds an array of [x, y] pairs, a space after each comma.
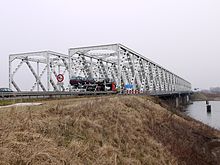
{"points": [[14, 101], [103, 130], [28, 100], [212, 96], [201, 96], [6, 101], [198, 96]]}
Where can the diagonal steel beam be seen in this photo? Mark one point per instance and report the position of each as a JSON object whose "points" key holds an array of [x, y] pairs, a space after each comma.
{"points": [[16, 86], [19, 65], [42, 73], [35, 75]]}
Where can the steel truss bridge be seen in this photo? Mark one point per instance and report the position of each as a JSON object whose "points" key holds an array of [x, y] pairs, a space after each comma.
{"points": [[44, 67], [114, 62]]}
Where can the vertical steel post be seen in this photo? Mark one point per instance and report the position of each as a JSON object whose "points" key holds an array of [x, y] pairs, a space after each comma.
{"points": [[10, 75], [48, 71], [38, 88], [58, 74], [119, 68], [70, 68]]}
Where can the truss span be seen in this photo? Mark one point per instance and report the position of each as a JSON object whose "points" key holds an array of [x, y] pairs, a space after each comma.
{"points": [[114, 62], [38, 71], [124, 66]]}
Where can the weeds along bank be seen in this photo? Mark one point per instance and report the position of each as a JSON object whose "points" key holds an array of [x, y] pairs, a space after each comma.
{"points": [[201, 96], [103, 130]]}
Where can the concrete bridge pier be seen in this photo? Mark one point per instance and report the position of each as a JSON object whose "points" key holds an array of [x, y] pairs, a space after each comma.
{"points": [[177, 99], [182, 100]]}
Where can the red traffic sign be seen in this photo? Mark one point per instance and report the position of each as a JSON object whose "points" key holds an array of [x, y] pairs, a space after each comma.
{"points": [[60, 78]]}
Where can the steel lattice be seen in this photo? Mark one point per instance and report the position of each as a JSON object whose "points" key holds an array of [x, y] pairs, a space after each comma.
{"points": [[114, 62], [124, 66], [51, 65]]}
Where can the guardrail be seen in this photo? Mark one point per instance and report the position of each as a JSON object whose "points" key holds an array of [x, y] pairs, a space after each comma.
{"points": [[169, 93], [14, 95], [27, 95]]}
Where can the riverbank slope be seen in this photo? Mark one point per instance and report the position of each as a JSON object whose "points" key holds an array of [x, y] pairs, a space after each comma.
{"points": [[104, 130], [201, 96]]}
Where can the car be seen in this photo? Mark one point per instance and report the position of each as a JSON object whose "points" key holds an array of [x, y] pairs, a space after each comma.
{"points": [[6, 92]]}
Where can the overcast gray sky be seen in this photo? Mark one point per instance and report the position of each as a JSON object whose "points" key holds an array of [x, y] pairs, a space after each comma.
{"points": [[181, 35]]}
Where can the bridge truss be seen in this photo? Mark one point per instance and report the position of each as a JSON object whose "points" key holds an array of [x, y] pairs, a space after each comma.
{"points": [[44, 67], [124, 66], [114, 62]]}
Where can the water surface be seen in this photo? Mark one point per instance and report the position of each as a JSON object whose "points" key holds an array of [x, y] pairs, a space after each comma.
{"points": [[199, 112]]}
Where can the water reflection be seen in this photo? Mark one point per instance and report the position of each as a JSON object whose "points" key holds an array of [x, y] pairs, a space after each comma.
{"points": [[199, 112]]}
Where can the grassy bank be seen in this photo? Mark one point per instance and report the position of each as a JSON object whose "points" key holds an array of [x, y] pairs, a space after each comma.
{"points": [[5, 102], [104, 130], [23, 100], [201, 96], [198, 96]]}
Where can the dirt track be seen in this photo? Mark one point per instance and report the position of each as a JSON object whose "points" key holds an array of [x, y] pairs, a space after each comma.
{"points": [[104, 130]]}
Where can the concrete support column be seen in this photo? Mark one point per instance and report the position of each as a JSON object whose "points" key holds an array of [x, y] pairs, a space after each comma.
{"points": [[187, 99], [183, 98], [177, 102]]}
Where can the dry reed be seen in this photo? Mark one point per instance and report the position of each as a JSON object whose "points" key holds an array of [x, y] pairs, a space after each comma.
{"points": [[101, 130]]}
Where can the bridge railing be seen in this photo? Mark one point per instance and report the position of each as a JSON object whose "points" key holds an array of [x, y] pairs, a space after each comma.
{"points": [[51, 94]]}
